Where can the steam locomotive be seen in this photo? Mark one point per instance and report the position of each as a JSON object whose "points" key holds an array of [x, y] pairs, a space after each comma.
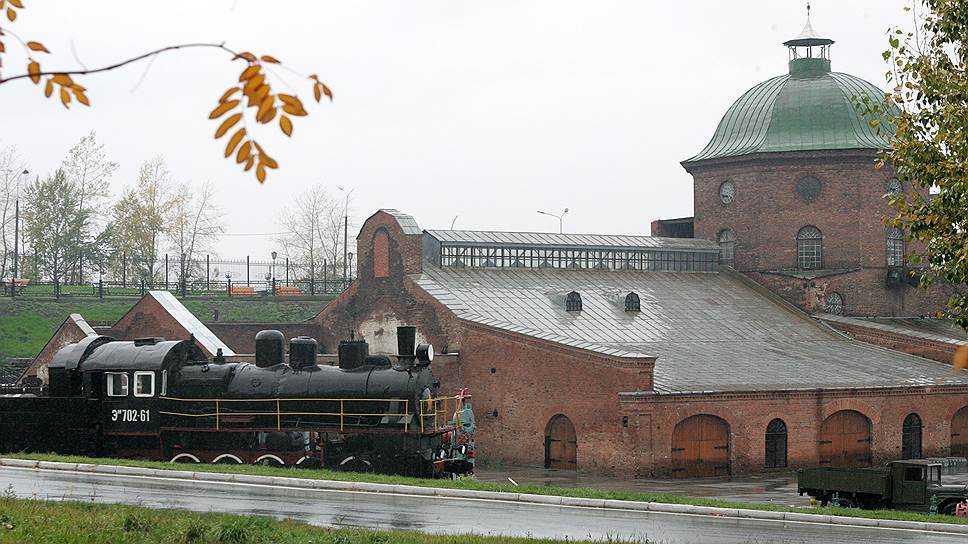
{"points": [[165, 400]]}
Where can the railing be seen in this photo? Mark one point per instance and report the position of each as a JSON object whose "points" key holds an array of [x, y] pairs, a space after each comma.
{"points": [[102, 289], [216, 408], [202, 276]]}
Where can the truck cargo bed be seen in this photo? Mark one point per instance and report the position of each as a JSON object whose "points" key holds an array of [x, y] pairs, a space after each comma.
{"points": [[869, 481]]}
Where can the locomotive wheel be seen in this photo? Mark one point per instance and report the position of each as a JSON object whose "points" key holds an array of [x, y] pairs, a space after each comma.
{"points": [[184, 458], [354, 463], [269, 461], [308, 462], [227, 459]]}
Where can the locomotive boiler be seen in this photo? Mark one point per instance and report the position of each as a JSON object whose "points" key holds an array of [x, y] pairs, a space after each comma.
{"points": [[158, 399]]}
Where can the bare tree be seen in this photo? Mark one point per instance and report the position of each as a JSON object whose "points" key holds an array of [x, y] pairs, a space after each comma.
{"points": [[308, 238], [194, 225], [140, 217], [12, 170], [89, 171]]}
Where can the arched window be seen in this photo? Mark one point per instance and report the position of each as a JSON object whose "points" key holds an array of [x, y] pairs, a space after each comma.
{"points": [[776, 444], [895, 247], [632, 303], [834, 304], [809, 248], [911, 437], [573, 302], [381, 254], [727, 247]]}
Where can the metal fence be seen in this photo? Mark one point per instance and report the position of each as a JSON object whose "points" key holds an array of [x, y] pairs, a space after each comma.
{"points": [[123, 276]]}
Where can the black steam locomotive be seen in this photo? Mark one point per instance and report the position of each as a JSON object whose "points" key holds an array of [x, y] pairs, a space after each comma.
{"points": [[165, 400]]}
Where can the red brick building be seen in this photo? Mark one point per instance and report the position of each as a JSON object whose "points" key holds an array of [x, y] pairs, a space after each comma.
{"points": [[788, 186], [638, 355]]}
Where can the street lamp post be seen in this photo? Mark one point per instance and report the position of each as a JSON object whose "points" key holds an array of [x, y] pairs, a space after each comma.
{"points": [[559, 217], [272, 272], [346, 228]]}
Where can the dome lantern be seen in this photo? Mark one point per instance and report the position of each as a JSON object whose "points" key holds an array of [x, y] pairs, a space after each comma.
{"points": [[809, 51], [811, 108]]}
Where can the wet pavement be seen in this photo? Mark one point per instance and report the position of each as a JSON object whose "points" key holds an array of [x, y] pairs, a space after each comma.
{"points": [[770, 488], [439, 514]]}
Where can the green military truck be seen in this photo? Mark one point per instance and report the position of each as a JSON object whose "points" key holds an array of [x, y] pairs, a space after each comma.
{"points": [[901, 485]]}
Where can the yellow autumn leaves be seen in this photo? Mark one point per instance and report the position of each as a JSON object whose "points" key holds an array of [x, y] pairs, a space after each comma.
{"points": [[253, 91], [256, 92]]}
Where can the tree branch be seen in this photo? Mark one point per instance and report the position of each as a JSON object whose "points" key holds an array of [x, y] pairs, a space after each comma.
{"points": [[122, 63]]}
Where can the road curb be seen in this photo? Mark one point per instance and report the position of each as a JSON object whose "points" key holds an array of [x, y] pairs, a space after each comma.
{"points": [[336, 485]]}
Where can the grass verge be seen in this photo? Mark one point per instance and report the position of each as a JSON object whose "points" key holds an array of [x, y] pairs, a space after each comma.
{"points": [[23, 520], [322, 474]]}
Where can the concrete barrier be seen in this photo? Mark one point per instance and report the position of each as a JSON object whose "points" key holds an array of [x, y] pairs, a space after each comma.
{"points": [[549, 500]]}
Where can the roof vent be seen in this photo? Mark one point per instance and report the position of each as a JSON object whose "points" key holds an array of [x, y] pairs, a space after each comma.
{"points": [[632, 303], [573, 302]]}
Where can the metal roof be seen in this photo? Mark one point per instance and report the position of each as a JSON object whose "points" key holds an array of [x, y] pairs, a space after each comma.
{"points": [[202, 334], [534, 239], [936, 330], [710, 332], [808, 37], [406, 221], [808, 109]]}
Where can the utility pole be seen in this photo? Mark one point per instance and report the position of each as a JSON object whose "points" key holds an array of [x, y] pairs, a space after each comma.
{"points": [[16, 238], [346, 228], [16, 247]]}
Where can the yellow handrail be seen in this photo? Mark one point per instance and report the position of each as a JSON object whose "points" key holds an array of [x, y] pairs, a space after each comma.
{"points": [[426, 408]]}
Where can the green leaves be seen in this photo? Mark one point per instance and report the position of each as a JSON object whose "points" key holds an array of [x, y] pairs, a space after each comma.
{"points": [[930, 146]]}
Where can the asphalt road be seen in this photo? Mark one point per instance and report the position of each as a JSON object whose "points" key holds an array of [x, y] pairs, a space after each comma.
{"points": [[435, 514]]}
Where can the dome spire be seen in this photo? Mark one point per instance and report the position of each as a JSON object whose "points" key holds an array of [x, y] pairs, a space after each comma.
{"points": [[803, 56]]}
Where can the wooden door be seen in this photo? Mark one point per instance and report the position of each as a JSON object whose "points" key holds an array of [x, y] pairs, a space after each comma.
{"points": [[561, 444], [845, 440], [959, 433], [700, 447]]}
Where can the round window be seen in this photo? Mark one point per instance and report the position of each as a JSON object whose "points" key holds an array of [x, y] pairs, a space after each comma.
{"points": [[808, 187], [894, 186], [727, 191]]}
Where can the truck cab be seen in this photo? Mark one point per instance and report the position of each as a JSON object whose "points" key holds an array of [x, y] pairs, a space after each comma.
{"points": [[914, 480]]}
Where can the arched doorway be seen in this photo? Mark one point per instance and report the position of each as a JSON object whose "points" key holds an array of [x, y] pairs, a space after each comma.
{"points": [[561, 444], [845, 440], [959, 433], [911, 437], [700, 447], [776, 444]]}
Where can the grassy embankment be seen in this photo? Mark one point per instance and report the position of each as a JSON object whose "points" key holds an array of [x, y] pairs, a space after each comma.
{"points": [[26, 324], [615, 494], [23, 520]]}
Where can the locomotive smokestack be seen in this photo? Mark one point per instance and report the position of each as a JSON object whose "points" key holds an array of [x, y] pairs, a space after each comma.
{"points": [[302, 352], [352, 353], [406, 343], [269, 348]]}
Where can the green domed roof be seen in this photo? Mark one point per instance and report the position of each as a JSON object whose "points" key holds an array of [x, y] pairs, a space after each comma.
{"points": [[811, 108]]}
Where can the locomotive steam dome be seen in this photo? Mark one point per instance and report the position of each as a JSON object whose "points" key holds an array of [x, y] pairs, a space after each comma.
{"points": [[810, 108]]}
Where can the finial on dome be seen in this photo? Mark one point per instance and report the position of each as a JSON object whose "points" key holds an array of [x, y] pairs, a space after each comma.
{"points": [[808, 36]]}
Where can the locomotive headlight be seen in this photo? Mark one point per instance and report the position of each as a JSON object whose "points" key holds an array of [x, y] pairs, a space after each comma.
{"points": [[425, 353]]}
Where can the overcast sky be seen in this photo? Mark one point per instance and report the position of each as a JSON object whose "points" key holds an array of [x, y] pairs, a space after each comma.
{"points": [[484, 111]]}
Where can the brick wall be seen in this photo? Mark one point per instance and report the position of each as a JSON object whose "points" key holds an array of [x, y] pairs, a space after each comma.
{"points": [[803, 412], [74, 329], [241, 336], [767, 212]]}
